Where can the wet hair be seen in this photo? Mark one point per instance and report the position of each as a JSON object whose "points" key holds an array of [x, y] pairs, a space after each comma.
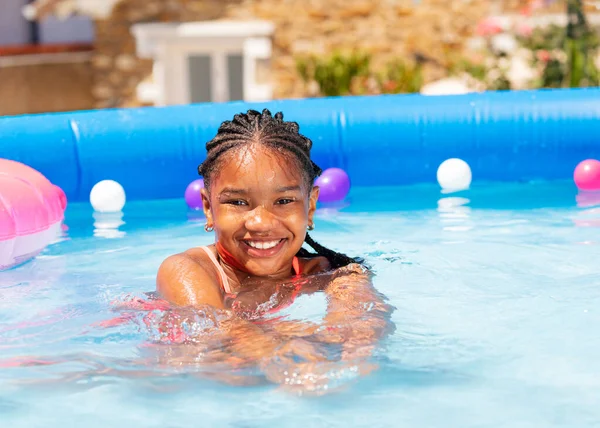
{"points": [[285, 138]]}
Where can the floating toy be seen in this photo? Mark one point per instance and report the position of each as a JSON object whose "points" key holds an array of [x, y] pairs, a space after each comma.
{"points": [[334, 185], [31, 213], [454, 175], [193, 198], [107, 196], [587, 175]]}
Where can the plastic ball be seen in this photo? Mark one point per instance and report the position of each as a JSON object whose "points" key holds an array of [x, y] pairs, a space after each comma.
{"points": [[454, 175], [193, 198], [334, 185], [587, 175], [107, 196]]}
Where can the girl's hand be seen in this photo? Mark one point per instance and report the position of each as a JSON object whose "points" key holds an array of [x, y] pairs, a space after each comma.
{"points": [[303, 367], [298, 351], [296, 366]]}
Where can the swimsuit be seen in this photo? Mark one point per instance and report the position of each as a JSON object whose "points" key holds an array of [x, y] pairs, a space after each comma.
{"points": [[174, 333], [230, 260]]}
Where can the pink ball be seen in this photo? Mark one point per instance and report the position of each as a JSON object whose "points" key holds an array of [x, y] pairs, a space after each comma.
{"points": [[193, 198], [334, 185], [587, 175]]}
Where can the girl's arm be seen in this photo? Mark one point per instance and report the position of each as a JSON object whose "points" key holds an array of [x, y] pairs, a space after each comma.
{"points": [[358, 316], [183, 281]]}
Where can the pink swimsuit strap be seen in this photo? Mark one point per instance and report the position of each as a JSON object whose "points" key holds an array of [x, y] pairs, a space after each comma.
{"points": [[224, 280]]}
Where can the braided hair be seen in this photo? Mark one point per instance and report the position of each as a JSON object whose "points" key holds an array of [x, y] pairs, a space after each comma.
{"points": [[273, 132]]}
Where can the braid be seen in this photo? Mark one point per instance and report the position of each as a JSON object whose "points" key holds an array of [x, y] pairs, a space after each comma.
{"points": [[336, 260], [271, 131], [254, 127]]}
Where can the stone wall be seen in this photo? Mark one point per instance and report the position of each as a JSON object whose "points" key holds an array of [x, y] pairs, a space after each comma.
{"points": [[387, 28], [49, 87]]}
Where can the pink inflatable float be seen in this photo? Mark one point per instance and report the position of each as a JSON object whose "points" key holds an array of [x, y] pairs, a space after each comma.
{"points": [[31, 213]]}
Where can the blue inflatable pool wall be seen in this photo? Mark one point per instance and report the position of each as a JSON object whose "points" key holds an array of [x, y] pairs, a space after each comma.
{"points": [[379, 140]]}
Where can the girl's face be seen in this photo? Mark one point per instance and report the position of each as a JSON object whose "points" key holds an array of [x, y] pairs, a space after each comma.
{"points": [[260, 207]]}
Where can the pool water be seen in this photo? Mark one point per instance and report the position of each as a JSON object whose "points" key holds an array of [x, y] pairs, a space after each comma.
{"points": [[497, 306]]}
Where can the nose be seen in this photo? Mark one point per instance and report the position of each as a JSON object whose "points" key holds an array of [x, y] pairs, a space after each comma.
{"points": [[261, 220]]}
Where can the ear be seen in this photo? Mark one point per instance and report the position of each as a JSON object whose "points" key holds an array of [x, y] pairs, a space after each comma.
{"points": [[206, 207], [312, 203]]}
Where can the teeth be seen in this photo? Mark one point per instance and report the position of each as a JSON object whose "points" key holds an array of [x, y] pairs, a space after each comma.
{"points": [[263, 245]]}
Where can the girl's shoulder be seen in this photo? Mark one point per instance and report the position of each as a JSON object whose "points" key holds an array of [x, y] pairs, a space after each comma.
{"points": [[188, 278], [314, 265], [200, 256], [204, 261]]}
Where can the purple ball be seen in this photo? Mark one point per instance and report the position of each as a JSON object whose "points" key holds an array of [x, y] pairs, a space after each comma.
{"points": [[334, 184], [193, 198]]}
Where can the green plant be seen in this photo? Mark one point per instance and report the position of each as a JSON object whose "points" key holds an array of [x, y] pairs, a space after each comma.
{"points": [[565, 55], [580, 45], [500, 83], [545, 38], [401, 77], [335, 73], [553, 74], [492, 76], [464, 65]]}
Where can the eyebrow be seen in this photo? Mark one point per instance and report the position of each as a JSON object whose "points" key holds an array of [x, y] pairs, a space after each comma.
{"points": [[289, 189], [231, 191]]}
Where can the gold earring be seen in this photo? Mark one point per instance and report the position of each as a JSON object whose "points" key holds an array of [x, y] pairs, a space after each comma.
{"points": [[311, 227], [208, 228]]}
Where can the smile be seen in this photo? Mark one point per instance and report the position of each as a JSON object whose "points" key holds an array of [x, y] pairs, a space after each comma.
{"points": [[263, 245], [261, 249]]}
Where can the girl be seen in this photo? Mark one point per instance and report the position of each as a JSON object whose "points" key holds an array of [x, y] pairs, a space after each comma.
{"points": [[260, 200]]}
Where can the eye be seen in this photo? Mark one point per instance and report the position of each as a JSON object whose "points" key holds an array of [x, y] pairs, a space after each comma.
{"points": [[285, 201], [236, 202]]}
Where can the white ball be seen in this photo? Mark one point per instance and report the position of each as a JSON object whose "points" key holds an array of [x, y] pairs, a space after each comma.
{"points": [[454, 175], [107, 196]]}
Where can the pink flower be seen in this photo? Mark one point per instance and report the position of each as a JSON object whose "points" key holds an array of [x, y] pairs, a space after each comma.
{"points": [[543, 55], [524, 30], [538, 4], [488, 27]]}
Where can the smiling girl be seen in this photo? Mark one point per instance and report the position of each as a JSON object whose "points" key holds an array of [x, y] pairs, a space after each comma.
{"points": [[260, 200]]}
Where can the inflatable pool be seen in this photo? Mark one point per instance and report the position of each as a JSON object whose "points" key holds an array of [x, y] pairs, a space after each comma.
{"points": [[496, 287], [379, 141]]}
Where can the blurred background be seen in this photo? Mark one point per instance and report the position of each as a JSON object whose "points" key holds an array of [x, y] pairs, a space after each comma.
{"points": [[61, 55]]}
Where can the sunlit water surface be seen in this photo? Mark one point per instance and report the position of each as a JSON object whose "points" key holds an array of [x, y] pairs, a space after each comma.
{"points": [[497, 297]]}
